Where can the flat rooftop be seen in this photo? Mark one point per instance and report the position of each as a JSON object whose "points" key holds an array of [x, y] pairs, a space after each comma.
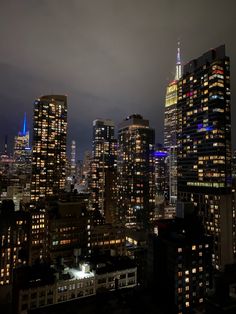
{"points": [[80, 274]]}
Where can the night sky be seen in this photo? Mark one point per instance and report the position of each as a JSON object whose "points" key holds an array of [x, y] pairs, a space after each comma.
{"points": [[111, 57]]}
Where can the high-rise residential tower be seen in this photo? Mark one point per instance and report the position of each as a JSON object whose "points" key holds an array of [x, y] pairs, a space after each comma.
{"points": [[49, 146], [136, 175], [170, 124], [103, 163], [204, 147]]}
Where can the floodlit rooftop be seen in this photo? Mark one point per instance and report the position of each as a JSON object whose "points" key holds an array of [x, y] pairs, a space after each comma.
{"points": [[81, 274]]}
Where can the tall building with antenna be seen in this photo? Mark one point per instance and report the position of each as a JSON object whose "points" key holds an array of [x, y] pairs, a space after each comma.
{"points": [[170, 125], [21, 144], [22, 154]]}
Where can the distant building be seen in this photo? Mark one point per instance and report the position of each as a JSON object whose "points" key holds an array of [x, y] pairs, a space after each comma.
{"points": [[222, 298], [161, 172], [49, 146], [136, 249], [22, 150], [73, 158], [136, 175], [234, 165], [204, 147], [103, 166], [83, 172], [6, 172], [107, 239]]}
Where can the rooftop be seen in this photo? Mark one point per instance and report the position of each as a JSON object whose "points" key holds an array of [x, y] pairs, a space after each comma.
{"points": [[82, 273]]}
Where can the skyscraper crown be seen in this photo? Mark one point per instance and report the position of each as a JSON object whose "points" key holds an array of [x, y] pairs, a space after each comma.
{"points": [[24, 128], [178, 71]]}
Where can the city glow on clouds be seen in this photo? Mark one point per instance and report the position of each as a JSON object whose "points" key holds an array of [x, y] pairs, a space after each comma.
{"points": [[112, 58]]}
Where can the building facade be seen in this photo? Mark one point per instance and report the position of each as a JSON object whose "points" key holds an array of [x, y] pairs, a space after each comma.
{"points": [[75, 283], [68, 227], [49, 146], [161, 172], [73, 159], [180, 261], [136, 175], [103, 165], [204, 147], [14, 240]]}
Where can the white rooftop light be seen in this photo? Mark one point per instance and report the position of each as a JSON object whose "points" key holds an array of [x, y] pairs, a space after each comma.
{"points": [[81, 274]]}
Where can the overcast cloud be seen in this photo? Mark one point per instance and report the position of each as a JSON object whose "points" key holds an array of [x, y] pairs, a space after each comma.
{"points": [[111, 57]]}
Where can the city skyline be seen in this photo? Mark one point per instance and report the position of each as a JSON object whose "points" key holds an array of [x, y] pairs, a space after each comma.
{"points": [[107, 57], [117, 156]]}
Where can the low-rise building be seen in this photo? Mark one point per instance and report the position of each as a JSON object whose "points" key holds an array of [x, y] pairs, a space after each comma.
{"points": [[107, 238], [71, 283]]}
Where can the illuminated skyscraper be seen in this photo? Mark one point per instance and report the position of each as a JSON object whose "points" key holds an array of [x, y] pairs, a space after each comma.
{"points": [[136, 181], [161, 171], [49, 146], [170, 128], [204, 147], [21, 144], [103, 162], [22, 151], [73, 159]]}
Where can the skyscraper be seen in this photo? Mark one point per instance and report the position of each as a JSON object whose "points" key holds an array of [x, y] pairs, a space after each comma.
{"points": [[204, 147], [161, 171], [22, 151], [136, 181], [170, 124], [21, 143], [103, 162], [73, 159], [49, 146]]}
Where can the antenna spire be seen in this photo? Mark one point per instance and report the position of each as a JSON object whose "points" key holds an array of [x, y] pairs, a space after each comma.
{"points": [[178, 72], [24, 129]]}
